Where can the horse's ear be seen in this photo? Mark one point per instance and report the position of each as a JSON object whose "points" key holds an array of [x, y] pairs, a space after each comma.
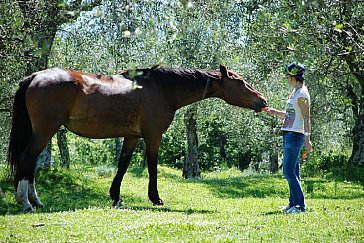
{"points": [[155, 66], [224, 72]]}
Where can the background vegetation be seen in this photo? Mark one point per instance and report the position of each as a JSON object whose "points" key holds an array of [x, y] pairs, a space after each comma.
{"points": [[254, 38]]}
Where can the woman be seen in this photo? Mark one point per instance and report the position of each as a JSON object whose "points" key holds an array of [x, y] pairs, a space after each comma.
{"points": [[296, 133]]}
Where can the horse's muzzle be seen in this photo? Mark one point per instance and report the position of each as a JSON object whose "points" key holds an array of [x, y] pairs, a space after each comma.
{"points": [[262, 104]]}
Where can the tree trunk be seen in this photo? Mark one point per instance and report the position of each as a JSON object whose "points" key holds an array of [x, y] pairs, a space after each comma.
{"points": [[63, 148], [357, 101], [44, 161], [357, 155], [222, 143], [4, 206], [190, 164], [273, 159], [273, 151]]}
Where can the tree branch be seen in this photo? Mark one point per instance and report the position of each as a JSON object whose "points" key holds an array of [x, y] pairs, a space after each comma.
{"points": [[71, 11], [84, 7], [5, 110]]}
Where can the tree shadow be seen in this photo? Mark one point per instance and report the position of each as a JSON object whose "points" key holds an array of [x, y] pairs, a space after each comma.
{"points": [[137, 171], [67, 191], [165, 209], [262, 186], [251, 186], [58, 192], [77, 198]]}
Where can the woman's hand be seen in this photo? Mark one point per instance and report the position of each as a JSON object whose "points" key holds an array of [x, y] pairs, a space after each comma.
{"points": [[308, 147]]}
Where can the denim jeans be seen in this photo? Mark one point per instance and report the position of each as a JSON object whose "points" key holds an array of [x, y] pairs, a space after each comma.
{"points": [[292, 144]]}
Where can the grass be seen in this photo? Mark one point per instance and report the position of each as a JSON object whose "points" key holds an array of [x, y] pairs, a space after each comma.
{"points": [[227, 206]]}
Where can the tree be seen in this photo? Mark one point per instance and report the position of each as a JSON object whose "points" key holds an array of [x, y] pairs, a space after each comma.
{"points": [[190, 165], [63, 147], [41, 20], [350, 34], [327, 37]]}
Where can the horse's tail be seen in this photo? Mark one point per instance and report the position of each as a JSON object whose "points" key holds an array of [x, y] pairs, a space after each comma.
{"points": [[21, 128]]}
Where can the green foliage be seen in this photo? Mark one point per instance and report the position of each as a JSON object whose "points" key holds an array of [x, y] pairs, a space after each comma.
{"points": [[316, 33], [222, 206], [172, 150], [325, 162], [253, 38], [329, 162], [91, 152]]}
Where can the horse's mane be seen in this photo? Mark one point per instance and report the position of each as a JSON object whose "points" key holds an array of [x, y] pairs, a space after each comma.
{"points": [[176, 73], [187, 73]]}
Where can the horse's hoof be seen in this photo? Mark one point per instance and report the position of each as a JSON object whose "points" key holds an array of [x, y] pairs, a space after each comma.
{"points": [[28, 209], [37, 204], [158, 202], [119, 203]]}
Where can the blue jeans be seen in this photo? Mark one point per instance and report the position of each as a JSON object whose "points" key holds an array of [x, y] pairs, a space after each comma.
{"points": [[292, 144]]}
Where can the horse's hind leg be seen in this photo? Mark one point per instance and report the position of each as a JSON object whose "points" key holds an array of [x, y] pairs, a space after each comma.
{"points": [[26, 192], [127, 150]]}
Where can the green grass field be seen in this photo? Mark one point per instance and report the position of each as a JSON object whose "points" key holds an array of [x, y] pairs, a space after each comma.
{"points": [[228, 206]]}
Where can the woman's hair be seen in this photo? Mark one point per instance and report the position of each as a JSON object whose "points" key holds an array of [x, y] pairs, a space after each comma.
{"points": [[296, 70]]}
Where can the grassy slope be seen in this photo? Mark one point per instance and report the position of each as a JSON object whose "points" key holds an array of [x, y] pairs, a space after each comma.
{"points": [[227, 206]]}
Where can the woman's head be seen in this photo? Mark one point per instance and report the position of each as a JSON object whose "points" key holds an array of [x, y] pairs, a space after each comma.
{"points": [[296, 70]]}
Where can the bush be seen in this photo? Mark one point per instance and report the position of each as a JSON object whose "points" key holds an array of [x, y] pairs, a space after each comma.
{"points": [[348, 172], [334, 166], [329, 162]]}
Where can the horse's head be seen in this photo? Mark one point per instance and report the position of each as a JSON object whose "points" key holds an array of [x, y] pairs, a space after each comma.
{"points": [[236, 91]]}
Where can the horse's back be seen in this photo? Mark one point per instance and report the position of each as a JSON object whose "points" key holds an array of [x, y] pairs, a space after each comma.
{"points": [[96, 106]]}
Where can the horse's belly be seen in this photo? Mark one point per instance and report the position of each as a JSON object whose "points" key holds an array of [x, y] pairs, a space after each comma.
{"points": [[98, 116], [99, 129]]}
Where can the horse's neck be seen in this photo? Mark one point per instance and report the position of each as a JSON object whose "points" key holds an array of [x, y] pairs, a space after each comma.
{"points": [[188, 93]]}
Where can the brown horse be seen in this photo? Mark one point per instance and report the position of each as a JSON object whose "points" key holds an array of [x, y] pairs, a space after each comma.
{"points": [[133, 104]]}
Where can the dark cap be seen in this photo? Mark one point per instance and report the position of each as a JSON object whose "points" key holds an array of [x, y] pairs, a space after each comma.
{"points": [[296, 70]]}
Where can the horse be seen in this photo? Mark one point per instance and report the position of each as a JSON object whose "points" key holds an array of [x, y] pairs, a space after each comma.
{"points": [[133, 104]]}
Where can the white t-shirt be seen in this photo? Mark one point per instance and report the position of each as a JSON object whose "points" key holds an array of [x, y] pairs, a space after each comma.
{"points": [[293, 120]]}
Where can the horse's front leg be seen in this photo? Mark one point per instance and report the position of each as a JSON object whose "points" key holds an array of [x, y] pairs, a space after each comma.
{"points": [[152, 148], [127, 150]]}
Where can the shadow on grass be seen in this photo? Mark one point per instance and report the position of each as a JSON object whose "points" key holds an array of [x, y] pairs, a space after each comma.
{"points": [[165, 209], [137, 171], [73, 190], [59, 191], [262, 186], [266, 185], [69, 191], [251, 186]]}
